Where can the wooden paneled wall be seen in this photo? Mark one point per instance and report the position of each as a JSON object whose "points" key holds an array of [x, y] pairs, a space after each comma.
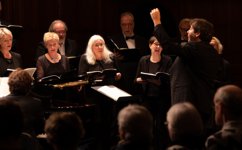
{"points": [[87, 17]]}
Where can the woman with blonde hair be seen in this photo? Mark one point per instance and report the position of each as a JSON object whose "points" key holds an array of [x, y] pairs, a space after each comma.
{"points": [[8, 59], [51, 63]]}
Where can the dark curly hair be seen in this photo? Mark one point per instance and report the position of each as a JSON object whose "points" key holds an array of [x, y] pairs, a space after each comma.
{"points": [[19, 82], [204, 27]]}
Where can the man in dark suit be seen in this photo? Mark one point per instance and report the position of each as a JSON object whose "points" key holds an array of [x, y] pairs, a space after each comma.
{"points": [[20, 83], [228, 113], [192, 78], [135, 44], [68, 47]]}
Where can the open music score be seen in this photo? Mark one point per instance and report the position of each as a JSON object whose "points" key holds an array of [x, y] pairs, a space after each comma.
{"points": [[111, 91], [4, 88]]}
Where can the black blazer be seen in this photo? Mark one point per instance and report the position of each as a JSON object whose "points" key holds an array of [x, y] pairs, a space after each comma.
{"points": [[194, 73], [15, 62]]}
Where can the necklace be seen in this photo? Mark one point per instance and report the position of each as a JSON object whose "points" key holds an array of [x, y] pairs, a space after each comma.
{"points": [[54, 59]]}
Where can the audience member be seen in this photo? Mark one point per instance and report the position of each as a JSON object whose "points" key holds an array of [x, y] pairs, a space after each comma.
{"points": [[20, 83], [185, 127], [224, 76], [68, 47], [137, 47], [51, 63], [11, 127], [155, 93], [8, 59], [64, 130], [135, 128], [228, 114], [192, 78]]}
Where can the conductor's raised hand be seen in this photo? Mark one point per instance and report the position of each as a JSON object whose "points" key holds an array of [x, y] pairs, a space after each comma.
{"points": [[155, 16]]}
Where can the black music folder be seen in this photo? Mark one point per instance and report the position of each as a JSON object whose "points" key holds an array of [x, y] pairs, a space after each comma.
{"points": [[65, 77], [15, 29], [105, 76], [74, 62], [157, 75]]}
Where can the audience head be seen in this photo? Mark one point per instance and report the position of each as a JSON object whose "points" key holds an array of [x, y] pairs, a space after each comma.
{"points": [[228, 104], [135, 124], [11, 119], [59, 27], [64, 130], [127, 23], [184, 121], [6, 39], [19, 82], [155, 46], [200, 30], [215, 42], [184, 26], [51, 40], [97, 50]]}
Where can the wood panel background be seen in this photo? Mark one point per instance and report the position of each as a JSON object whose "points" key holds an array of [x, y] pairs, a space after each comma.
{"points": [[87, 17]]}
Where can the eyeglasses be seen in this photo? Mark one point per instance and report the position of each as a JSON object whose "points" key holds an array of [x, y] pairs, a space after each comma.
{"points": [[156, 44]]}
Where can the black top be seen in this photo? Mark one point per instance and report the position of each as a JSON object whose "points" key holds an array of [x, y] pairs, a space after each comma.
{"points": [[145, 65], [100, 65], [46, 68], [15, 62]]}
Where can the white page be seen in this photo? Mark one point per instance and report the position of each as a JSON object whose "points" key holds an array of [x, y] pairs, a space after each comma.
{"points": [[4, 88], [111, 91]]}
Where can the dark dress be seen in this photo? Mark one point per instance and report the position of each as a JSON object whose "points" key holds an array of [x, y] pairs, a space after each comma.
{"points": [[84, 66], [99, 65], [15, 62], [46, 68], [103, 103], [156, 97]]}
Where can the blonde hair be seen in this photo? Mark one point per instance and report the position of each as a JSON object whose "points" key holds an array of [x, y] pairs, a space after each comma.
{"points": [[217, 45], [3, 32], [50, 36], [91, 59]]}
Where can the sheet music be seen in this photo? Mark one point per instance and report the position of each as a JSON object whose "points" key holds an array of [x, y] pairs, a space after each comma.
{"points": [[4, 88], [111, 91]]}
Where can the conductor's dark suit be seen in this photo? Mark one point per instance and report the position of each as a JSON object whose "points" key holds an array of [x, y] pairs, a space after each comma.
{"points": [[193, 73]]}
